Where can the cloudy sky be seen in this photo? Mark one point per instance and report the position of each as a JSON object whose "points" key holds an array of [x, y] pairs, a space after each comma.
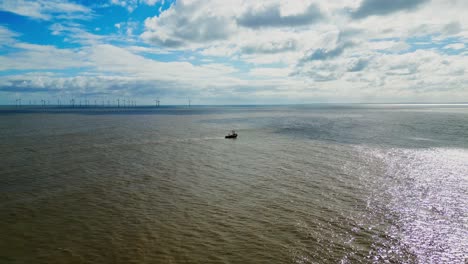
{"points": [[234, 51]]}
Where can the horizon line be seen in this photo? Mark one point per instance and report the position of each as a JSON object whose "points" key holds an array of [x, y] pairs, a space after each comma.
{"points": [[260, 104]]}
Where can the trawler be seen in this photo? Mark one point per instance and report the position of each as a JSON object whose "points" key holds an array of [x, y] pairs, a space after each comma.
{"points": [[233, 134]]}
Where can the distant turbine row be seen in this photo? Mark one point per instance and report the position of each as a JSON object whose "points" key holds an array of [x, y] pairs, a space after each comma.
{"points": [[83, 103]]}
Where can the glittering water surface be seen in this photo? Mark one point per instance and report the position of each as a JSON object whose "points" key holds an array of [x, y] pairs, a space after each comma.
{"points": [[301, 184]]}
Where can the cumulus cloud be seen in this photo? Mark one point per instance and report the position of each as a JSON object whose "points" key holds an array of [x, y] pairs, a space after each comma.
{"points": [[385, 7], [269, 50], [358, 65], [270, 72], [325, 54], [113, 70], [185, 23], [83, 86], [334, 44], [271, 16], [198, 23], [270, 47], [130, 5]]}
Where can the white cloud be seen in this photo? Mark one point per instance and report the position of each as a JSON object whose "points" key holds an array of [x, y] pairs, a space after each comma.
{"points": [[75, 33], [343, 50], [455, 46], [387, 45], [143, 50], [46, 9], [379, 7], [7, 36], [151, 2], [273, 16], [39, 57], [189, 22], [131, 5], [270, 72]]}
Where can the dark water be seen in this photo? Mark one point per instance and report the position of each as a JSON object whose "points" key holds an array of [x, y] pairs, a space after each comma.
{"points": [[301, 184]]}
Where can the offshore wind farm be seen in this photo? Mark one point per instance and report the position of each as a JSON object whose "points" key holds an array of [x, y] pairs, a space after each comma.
{"points": [[78, 103]]}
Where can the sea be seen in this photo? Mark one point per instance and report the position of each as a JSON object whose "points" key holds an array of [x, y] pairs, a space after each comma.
{"points": [[321, 183]]}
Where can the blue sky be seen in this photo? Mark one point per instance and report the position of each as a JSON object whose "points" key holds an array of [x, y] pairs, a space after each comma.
{"points": [[234, 52]]}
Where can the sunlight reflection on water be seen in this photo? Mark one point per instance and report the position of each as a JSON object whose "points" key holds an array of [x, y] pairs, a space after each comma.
{"points": [[426, 194]]}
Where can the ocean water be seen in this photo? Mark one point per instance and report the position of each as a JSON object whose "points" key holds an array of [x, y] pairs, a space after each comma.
{"points": [[301, 184]]}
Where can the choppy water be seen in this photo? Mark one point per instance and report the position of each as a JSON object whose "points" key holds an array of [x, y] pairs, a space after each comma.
{"points": [[301, 184]]}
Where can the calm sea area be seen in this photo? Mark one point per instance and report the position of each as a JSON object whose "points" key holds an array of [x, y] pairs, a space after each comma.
{"points": [[324, 183]]}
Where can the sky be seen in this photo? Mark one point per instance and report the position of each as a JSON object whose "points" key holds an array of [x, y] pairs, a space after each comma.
{"points": [[234, 51]]}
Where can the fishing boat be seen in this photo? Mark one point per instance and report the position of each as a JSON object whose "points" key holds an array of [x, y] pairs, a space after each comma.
{"points": [[233, 134]]}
